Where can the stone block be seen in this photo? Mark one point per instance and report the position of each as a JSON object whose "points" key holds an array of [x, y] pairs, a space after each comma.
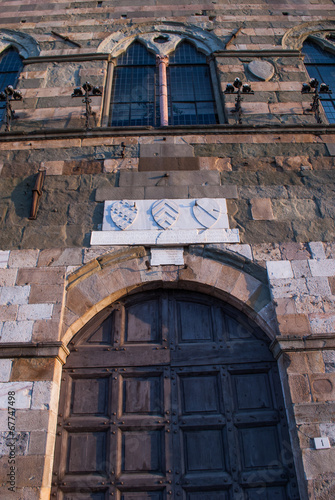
{"points": [[318, 286], [300, 268], [227, 191], [21, 443], [317, 250], [323, 386], [314, 412], [328, 429], [23, 258], [45, 330], [4, 256], [33, 369], [266, 252], [115, 165], [322, 323], [244, 250], [11, 295], [40, 276], [52, 257], [40, 443], [293, 324], [40, 294], [169, 164], [8, 313], [285, 306], [45, 396], [158, 150], [245, 288], [294, 251], [8, 277], [34, 311], [147, 179], [16, 331], [299, 388], [35, 420], [261, 209], [169, 192], [214, 163], [318, 462], [324, 267], [113, 193], [23, 393], [281, 269], [53, 167], [5, 369]]}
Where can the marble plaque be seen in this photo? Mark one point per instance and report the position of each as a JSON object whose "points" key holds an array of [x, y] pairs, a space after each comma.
{"points": [[167, 256]]}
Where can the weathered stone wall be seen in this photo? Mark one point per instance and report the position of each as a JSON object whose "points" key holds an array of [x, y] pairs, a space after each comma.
{"points": [[276, 171]]}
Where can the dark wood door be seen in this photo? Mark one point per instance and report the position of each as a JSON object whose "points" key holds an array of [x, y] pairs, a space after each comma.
{"points": [[172, 395]]}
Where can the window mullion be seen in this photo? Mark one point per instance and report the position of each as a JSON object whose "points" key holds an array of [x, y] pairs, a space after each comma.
{"points": [[162, 62]]}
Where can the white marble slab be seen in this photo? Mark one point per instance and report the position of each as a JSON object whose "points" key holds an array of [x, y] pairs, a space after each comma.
{"points": [[165, 237], [144, 220], [167, 256]]}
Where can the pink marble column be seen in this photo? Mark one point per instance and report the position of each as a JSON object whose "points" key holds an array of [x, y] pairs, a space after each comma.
{"points": [[163, 62]]}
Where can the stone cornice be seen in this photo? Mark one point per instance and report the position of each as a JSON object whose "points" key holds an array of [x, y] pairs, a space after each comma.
{"points": [[257, 53], [225, 129], [35, 350], [67, 58], [312, 342]]}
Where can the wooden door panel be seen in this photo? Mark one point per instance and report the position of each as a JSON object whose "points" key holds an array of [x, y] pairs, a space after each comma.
{"points": [[207, 495], [142, 495], [199, 393], [87, 495], [259, 447], [143, 451], [246, 397], [194, 322], [86, 452], [142, 394], [142, 322], [170, 397], [269, 493], [89, 396], [203, 450]]}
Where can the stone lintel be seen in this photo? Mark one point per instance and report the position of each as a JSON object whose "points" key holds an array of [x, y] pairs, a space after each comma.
{"points": [[160, 238], [284, 344], [39, 350]]}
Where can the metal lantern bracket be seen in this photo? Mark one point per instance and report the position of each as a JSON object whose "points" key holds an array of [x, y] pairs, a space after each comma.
{"points": [[8, 95], [315, 90], [86, 92], [241, 89]]}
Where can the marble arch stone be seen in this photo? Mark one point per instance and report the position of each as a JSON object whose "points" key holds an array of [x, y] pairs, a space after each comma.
{"points": [[295, 37], [25, 44], [118, 42], [97, 285]]}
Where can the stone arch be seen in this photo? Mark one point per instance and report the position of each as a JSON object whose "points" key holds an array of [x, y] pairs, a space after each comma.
{"points": [[101, 282], [25, 44], [295, 37], [118, 42]]}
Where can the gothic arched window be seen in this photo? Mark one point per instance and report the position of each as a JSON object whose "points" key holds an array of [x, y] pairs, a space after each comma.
{"points": [[10, 67], [191, 98], [133, 94], [320, 64], [138, 84]]}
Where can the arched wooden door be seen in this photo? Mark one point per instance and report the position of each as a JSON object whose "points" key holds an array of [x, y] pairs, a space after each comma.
{"points": [[173, 395]]}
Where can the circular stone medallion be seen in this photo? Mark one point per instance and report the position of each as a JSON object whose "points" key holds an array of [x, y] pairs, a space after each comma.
{"points": [[263, 70], [206, 211], [165, 213], [123, 213]]}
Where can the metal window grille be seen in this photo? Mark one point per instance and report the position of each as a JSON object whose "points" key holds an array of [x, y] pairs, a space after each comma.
{"points": [[320, 64], [10, 67], [134, 90]]}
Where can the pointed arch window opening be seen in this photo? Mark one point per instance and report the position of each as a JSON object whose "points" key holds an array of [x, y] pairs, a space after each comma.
{"points": [[175, 91], [10, 68], [320, 64]]}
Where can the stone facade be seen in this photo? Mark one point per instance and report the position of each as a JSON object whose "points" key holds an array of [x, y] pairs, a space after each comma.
{"points": [[276, 172]]}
